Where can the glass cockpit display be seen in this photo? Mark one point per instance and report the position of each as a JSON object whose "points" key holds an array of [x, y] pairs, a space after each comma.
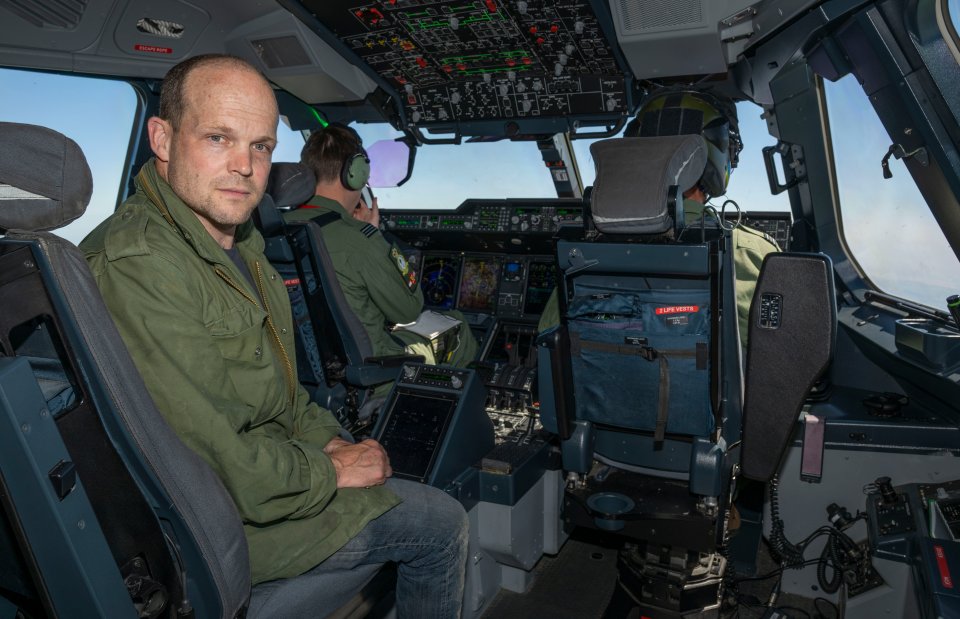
{"points": [[438, 280], [540, 283], [478, 286]]}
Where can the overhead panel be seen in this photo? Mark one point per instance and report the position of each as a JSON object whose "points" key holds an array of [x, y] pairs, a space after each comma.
{"points": [[480, 60]]}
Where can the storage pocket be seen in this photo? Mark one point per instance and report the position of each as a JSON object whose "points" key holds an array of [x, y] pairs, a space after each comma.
{"points": [[642, 357]]}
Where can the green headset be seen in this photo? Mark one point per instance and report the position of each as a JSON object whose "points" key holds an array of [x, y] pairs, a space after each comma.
{"points": [[355, 171]]}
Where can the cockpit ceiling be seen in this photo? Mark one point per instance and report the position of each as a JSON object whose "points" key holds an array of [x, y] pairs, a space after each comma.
{"points": [[439, 63]]}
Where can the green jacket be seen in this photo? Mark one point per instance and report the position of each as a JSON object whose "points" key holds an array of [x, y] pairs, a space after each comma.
{"points": [[217, 358], [749, 248], [373, 282]]}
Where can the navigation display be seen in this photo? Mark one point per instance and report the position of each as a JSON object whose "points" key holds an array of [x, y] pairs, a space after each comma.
{"points": [[478, 286], [438, 280], [540, 283]]}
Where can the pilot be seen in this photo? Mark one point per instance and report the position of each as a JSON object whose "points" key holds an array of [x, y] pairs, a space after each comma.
{"points": [[379, 282], [208, 323], [679, 112]]}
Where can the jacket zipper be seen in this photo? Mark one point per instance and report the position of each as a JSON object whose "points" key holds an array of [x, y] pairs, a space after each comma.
{"points": [[274, 336]]}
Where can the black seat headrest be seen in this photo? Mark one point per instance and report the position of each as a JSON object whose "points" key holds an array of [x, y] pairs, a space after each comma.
{"points": [[45, 182], [291, 184]]}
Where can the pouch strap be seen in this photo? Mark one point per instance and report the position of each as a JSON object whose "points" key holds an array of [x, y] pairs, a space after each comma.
{"points": [[663, 402], [577, 345]]}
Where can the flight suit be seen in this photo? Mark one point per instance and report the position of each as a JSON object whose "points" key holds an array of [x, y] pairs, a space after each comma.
{"points": [[749, 248], [379, 284]]}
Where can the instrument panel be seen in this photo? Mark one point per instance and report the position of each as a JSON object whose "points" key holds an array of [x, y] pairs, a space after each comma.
{"points": [[523, 216], [510, 286], [496, 257], [484, 59]]}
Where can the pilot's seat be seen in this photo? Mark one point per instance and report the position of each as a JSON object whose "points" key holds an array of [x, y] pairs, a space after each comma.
{"points": [[641, 380], [100, 499], [334, 353]]}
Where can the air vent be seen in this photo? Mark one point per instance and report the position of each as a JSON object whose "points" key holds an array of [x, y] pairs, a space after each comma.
{"points": [[63, 14], [160, 27], [281, 52], [660, 14]]}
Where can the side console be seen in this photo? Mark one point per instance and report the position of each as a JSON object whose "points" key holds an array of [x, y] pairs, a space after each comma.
{"points": [[919, 525], [434, 426]]}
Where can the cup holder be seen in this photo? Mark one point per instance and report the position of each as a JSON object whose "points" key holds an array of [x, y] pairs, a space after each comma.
{"points": [[607, 507]]}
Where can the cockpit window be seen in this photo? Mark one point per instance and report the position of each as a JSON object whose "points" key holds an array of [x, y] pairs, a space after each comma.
{"points": [[446, 174], [100, 118], [98, 114], [886, 223]]}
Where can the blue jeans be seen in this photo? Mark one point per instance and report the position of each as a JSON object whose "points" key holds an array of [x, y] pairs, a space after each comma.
{"points": [[426, 535]]}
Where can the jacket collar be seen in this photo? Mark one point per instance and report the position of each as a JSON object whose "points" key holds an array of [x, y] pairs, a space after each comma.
{"points": [[323, 203], [182, 218]]}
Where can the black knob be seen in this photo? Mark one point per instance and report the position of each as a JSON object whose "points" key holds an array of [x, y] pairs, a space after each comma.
{"points": [[886, 490]]}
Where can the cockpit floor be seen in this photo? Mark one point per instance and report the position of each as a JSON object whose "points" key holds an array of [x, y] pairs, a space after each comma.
{"points": [[579, 581]]}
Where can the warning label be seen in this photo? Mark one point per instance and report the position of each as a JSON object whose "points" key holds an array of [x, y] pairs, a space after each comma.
{"points": [[677, 309]]}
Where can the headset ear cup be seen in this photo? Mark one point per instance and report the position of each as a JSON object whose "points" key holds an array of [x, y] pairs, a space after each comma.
{"points": [[355, 172]]}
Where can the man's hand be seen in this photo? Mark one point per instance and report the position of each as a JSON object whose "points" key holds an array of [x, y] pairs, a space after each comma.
{"points": [[369, 215], [358, 465]]}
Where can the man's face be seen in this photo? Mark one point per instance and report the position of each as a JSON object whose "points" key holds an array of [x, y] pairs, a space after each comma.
{"points": [[218, 160]]}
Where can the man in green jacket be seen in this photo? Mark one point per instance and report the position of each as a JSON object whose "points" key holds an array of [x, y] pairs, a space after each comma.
{"points": [[208, 324], [379, 283]]}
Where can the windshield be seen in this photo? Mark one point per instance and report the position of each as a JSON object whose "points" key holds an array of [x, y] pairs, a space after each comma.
{"points": [[445, 175]]}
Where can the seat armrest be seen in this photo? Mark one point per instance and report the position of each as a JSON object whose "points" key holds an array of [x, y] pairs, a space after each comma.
{"points": [[557, 343], [393, 361]]}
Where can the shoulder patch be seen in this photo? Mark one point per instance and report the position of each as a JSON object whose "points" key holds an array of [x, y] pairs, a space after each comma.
{"points": [[407, 272], [369, 230]]}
